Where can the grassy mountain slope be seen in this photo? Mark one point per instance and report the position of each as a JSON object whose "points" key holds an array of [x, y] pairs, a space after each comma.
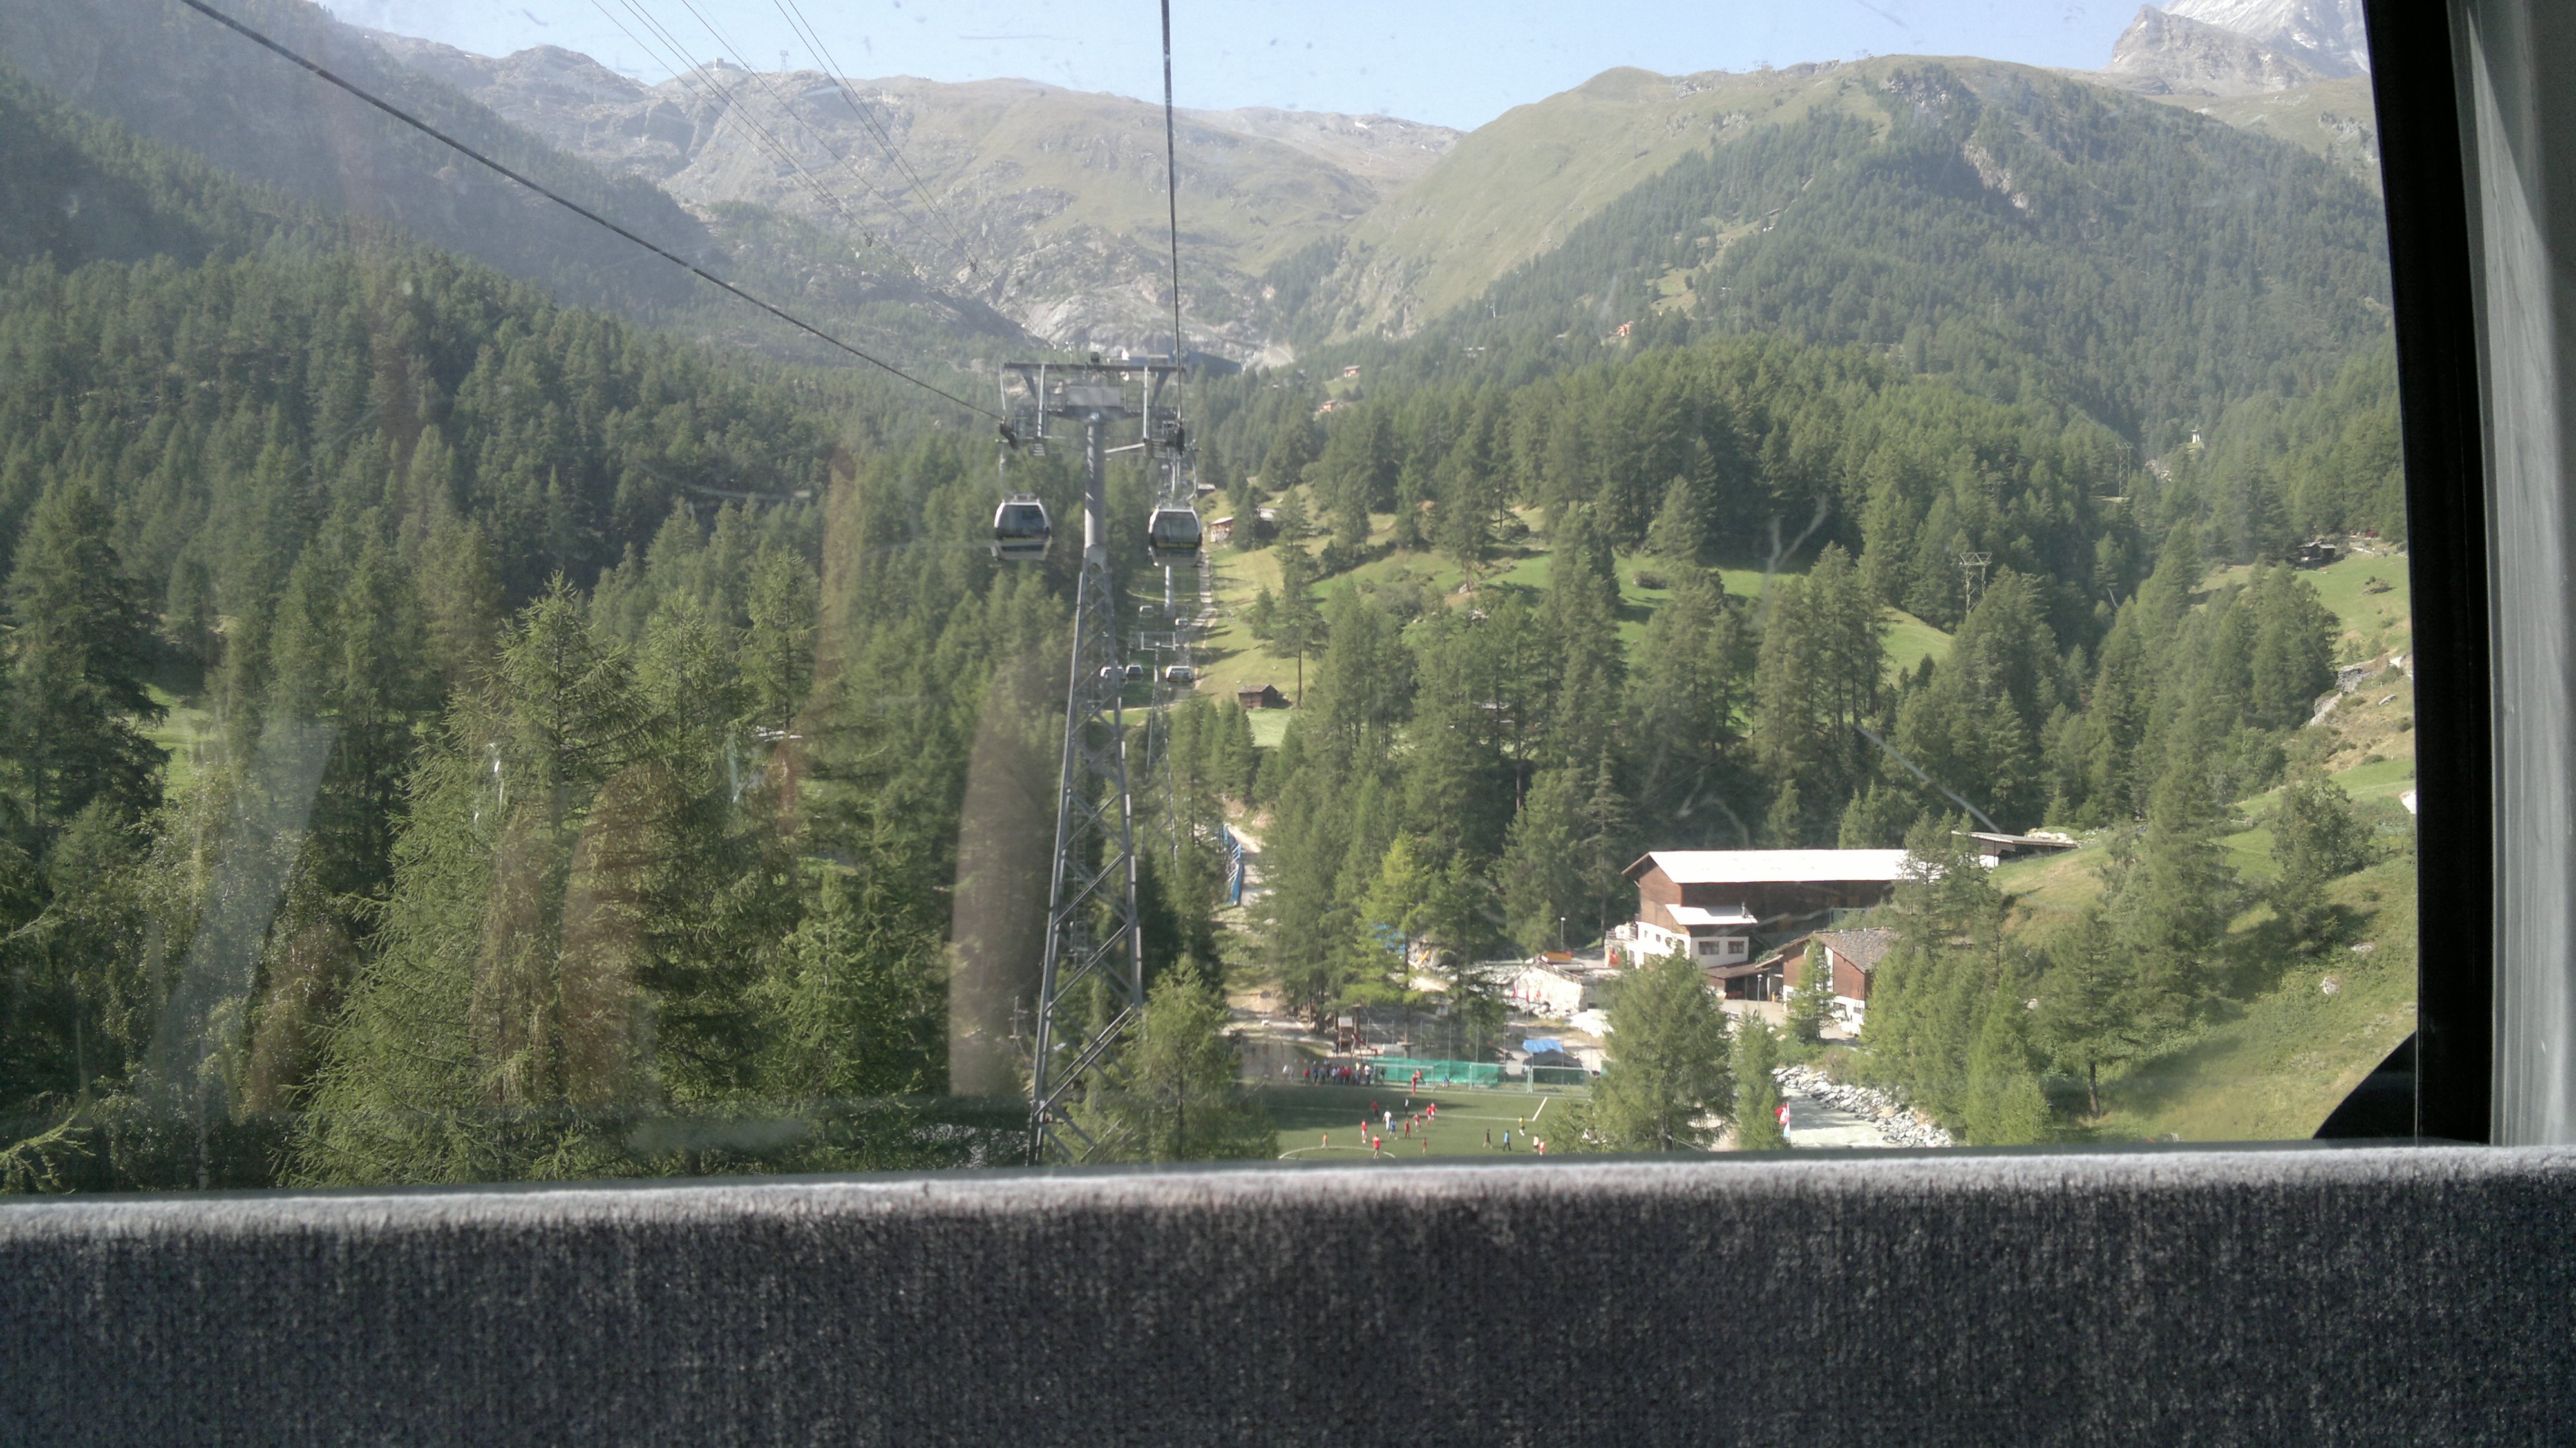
{"points": [[254, 117], [1516, 187], [77, 188], [2023, 231], [2333, 119], [1230, 657], [2274, 1061]]}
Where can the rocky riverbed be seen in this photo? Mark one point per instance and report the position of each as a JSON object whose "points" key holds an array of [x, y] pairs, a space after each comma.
{"points": [[1902, 1125]]}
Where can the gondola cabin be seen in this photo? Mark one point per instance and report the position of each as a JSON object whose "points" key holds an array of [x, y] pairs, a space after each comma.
{"points": [[1020, 529], [1173, 533]]}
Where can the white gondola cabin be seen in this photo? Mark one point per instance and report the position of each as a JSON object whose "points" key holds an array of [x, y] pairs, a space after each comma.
{"points": [[1020, 529], [1173, 533]]}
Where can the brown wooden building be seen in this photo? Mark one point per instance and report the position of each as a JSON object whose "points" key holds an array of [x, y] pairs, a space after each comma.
{"points": [[1845, 962], [1708, 904]]}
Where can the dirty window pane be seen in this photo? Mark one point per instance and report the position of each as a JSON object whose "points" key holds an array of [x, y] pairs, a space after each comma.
{"points": [[1603, 590]]}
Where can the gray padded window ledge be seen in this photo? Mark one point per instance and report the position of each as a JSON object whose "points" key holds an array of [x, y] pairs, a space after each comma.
{"points": [[2325, 1294]]}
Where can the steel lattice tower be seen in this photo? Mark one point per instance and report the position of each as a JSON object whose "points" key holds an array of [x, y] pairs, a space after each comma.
{"points": [[1091, 987]]}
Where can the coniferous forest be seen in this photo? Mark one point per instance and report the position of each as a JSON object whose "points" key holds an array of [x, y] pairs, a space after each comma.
{"points": [[449, 735]]}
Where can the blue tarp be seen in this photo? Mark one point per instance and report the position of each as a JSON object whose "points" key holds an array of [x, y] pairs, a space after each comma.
{"points": [[1541, 1043]]}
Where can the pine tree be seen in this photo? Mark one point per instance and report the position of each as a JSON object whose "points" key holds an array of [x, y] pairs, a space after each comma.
{"points": [[1179, 1097], [1811, 1000], [2005, 1105], [858, 1004], [1297, 626], [1757, 1092], [1283, 467], [1785, 827], [1683, 694], [778, 648], [1606, 846], [2315, 839], [80, 640], [1668, 1067], [1412, 491], [1398, 907], [2087, 1003], [1680, 531], [1363, 685], [1928, 996], [2294, 644], [2172, 910], [1541, 878]]}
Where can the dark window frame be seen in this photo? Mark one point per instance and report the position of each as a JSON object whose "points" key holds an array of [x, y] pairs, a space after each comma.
{"points": [[2416, 88]]}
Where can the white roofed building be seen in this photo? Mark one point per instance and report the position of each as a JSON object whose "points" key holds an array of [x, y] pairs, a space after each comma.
{"points": [[1710, 904]]}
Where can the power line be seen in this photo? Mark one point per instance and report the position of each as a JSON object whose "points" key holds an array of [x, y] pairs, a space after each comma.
{"points": [[784, 107], [789, 109], [677, 58], [575, 207], [813, 39], [804, 30], [726, 104], [1172, 178]]}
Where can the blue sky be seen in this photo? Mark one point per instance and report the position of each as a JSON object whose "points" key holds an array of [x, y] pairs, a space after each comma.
{"points": [[1452, 62]]}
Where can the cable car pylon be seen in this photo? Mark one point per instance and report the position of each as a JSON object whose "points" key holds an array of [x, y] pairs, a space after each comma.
{"points": [[1091, 985]]}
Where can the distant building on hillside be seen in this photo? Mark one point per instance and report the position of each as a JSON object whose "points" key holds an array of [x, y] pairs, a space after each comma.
{"points": [[1995, 848], [1712, 904], [1261, 696], [1220, 531]]}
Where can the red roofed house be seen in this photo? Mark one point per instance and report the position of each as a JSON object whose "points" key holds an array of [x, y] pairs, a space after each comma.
{"points": [[1708, 904]]}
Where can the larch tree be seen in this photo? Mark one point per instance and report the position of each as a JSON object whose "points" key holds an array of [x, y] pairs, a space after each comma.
{"points": [[79, 642], [1757, 1091], [1668, 1065]]}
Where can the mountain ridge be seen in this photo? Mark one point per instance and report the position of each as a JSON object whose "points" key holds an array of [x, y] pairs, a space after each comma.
{"points": [[1044, 203], [246, 112], [1049, 223]]}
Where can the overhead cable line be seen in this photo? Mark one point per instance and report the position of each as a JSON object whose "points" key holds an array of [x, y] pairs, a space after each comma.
{"points": [[805, 31], [676, 58], [788, 108], [813, 39], [762, 138], [575, 207], [1172, 179]]}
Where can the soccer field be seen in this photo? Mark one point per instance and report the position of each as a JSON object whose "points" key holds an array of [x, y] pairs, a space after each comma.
{"points": [[1309, 1116]]}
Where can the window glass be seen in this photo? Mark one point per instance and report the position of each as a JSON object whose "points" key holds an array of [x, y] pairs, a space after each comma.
{"points": [[1572, 586]]}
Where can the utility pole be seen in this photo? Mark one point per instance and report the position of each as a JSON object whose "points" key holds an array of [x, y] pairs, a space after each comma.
{"points": [[1092, 943], [1972, 578]]}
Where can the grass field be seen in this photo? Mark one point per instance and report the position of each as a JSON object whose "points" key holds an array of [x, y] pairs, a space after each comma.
{"points": [[1230, 658], [186, 734], [2368, 594], [1309, 1116], [2275, 1066]]}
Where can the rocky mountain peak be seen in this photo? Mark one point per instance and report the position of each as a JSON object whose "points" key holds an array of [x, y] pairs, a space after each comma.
{"points": [[2330, 30], [2240, 47]]}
